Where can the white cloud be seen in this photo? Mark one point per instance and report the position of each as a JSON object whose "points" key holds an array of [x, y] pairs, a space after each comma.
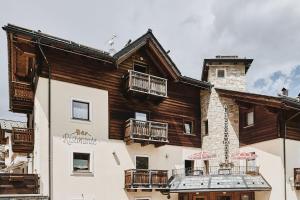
{"points": [[267, 31]]}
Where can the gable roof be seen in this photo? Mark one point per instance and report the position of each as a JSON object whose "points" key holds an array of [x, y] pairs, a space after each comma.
{"points": [[46, 39], [147, 39]]}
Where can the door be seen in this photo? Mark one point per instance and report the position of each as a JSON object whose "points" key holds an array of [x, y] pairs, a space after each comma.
{"points": [[189, 167]]}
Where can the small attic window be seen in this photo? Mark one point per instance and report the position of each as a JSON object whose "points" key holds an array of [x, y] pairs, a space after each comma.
{"points": [[140, 67], [221, 73]]}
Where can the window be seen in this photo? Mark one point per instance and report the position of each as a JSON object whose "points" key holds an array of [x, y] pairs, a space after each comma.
{"points": [[141, 116], [188, 127], [140, 68], [142, 162], [80, 110], [245, 197], [206, 166], [221, 73], [206, 127], [249, 118], [81, 162], [297, 178]]}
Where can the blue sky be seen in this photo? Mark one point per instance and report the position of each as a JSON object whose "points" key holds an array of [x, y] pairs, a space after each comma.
{"points": [[267, 31]]}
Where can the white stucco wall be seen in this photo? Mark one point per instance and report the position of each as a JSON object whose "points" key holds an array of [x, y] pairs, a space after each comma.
{"points": [[270, 159], [107, 180]]}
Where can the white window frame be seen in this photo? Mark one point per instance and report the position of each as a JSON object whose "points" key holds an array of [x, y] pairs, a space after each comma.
{"points": [[246, 120], [147, 156], [142, 198], [90, 110], [91, 172], [219, 69]]}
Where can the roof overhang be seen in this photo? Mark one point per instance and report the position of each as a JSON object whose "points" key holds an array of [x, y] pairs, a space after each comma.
{"points": [[280, 102], [206, 63]]}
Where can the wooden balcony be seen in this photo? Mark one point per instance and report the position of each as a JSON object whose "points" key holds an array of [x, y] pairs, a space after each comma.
{"points": [[297, 178], [22, 140], [146, 84], [21, 97], [19, 183], [146, 132], [2, 137], [144, 179]]}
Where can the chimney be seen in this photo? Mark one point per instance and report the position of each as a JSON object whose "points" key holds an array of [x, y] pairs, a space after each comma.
{"points": [[285, 92]]}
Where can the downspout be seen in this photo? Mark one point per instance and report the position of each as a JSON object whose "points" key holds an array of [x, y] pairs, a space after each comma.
{"points": [[49, 120], [284, 150]]}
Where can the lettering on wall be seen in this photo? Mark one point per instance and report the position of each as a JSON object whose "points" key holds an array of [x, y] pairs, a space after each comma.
{"points": [[79, 137]]}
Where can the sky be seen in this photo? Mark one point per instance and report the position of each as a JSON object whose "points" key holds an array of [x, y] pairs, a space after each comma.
{"points": [[267, 31]]}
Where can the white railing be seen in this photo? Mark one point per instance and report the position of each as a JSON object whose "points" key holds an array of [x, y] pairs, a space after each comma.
{"points": [[146, 130], [146, 83]]}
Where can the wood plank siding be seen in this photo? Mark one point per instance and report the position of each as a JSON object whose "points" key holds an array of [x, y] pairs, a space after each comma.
{"points": [[265, 125], [182, 102]]}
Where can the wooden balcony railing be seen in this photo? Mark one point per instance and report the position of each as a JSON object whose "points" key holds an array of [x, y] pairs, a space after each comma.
{"points": [[145, 179], [146, 132], [202, 171], [22, 97], [19, 183], [297, 178], [22, 140], [146, 83], [2, 137]]}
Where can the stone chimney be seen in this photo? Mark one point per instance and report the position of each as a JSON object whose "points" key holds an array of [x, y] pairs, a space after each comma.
{"points": [[285, 92]]}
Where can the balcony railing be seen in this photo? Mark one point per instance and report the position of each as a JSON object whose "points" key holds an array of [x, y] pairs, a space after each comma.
{"points": [[146, 179], [146, 131], [146, 83], [203, 171], [22, 140], [19, 183], [297, 178], [2, 137], [22, 96]]}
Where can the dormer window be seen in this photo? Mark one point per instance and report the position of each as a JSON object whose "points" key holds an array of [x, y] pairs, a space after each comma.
{"points": [[221, 73], [140, 67]]}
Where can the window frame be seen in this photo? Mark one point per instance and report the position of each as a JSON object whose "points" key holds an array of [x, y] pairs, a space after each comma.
{"points": [[246, 125], [89, 110], [141, 64], [142, 198], [145, 156], [82, 173], [186, 121], [206, 130], [221, 69]]}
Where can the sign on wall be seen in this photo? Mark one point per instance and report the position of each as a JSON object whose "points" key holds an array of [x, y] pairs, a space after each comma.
{"points": [[79, 137]]}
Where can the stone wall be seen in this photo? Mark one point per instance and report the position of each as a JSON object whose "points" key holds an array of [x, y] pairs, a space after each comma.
{"points": [[235, 77], [212, 109]]}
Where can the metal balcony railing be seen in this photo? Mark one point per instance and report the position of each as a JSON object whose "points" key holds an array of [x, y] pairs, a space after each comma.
{"points": [[203, 171], [145, 179], [146, 131], [146, 83]]}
